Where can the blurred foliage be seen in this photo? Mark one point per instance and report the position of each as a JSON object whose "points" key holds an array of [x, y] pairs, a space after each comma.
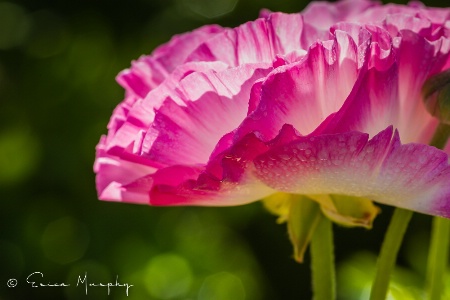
{"points": [[58, 60]]}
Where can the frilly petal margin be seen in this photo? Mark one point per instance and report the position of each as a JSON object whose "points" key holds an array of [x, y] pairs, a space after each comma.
{"points": [[131, 119], [261, 41], [411, 176], [149, 71]]}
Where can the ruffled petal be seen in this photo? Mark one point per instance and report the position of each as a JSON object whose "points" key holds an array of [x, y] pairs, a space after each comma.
{"points": [[248, 43], [412, 176], [418, 59], [260, 41], [132, 119], [388, 92], [215, 104], [178, 137], [289, 33], [151, 70], [304, 94]]}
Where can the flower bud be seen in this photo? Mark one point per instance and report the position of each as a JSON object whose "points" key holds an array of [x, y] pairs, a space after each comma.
{"points": [[436, 95]]}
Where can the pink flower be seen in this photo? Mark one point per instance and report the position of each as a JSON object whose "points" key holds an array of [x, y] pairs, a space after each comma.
{"points": [[327, 101]]}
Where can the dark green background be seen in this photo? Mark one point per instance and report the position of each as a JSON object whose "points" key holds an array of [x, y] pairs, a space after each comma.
{"points": [[58, 61]]}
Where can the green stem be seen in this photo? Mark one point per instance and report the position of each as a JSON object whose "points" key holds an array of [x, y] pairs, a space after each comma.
{"points": [[440, 234], [389, 250], [438, 257], [322, 261]]}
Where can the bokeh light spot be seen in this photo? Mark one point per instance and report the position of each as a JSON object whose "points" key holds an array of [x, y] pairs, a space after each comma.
{"points": [[65, 240], [14, 25], [19, 155], [168, 276], [222, 286]]}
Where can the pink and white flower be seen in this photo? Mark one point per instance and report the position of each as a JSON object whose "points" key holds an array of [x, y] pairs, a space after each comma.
{"points": [[327, 101]]}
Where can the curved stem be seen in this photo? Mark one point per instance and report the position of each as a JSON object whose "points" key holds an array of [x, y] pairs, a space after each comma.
{"points": [[322, 261], [438, 257], [389, 250]]}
